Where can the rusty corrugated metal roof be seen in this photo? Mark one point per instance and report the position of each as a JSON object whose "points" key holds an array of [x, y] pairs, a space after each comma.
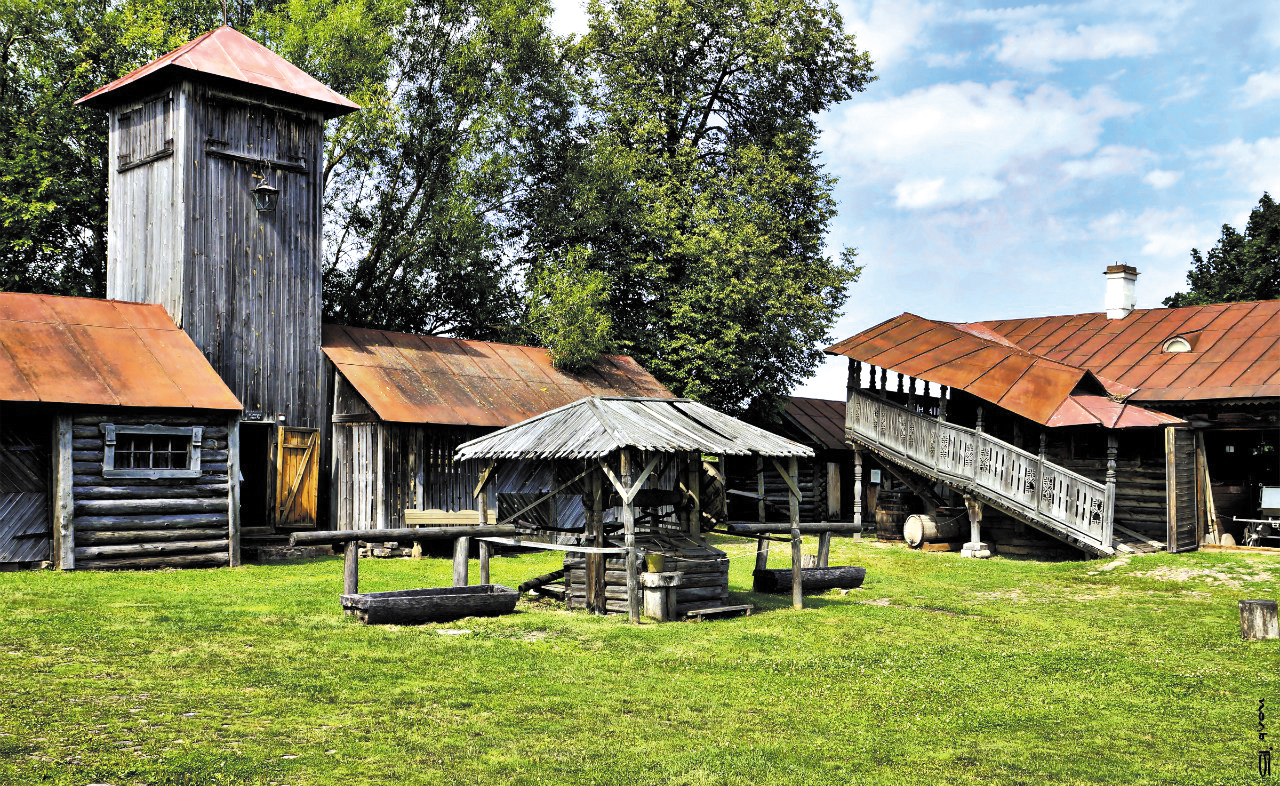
{"points": [[434, 379], [71, 350], [1235, 348], [821, 419], [229, 54], [989, 365]]}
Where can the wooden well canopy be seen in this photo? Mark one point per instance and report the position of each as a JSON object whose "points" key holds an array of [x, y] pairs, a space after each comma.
{"points": [[597, 426]]}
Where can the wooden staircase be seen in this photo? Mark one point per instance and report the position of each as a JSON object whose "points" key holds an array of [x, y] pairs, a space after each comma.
{"points": [[1044, 495]]}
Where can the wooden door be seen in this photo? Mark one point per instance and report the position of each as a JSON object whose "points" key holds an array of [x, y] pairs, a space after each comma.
{"points": [[1181, 476], [297, 477], [26, 532]]}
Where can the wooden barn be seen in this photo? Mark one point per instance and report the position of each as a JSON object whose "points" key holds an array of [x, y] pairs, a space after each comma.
{"points": [[1130, 429], [402, 404], [117, 439], [215, 187]]}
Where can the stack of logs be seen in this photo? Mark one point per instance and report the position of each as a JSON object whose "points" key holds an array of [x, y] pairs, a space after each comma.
{"points": [[705, 583], [149, 522]]}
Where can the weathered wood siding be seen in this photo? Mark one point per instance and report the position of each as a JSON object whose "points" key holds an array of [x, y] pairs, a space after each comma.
{"points": [[26, 531], [150, 522], [184, 232]]}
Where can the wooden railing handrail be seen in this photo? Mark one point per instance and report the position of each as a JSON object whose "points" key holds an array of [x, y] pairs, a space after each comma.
{"points": [[1046, 492]]}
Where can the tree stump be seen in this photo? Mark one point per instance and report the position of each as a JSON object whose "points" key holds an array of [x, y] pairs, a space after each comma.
{"points": [[1258, 620]]}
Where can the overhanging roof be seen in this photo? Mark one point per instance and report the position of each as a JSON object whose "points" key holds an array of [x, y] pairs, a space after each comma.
{"points": [[226, 53], [70, 350], [407, 378], [597, 426], [821, 419], [1235, 348]]}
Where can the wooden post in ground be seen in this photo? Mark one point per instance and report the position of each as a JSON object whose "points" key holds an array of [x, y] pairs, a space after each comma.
{"points": [[482, 495], [1259, 620], [975, 547], [233, 491], [64, 532], [762, 544], [1109, 504], [797, 572], [351, 568], [694, 473], [857, 490], [629, 533], [595, 534], [460, 548]]}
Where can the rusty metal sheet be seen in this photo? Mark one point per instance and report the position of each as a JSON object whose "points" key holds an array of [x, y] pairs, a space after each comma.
{"points": [[22, 307], [54, 366], [145, 316], [821, 419], [228, 54], [1039, 390], [86, 311], [130, 374], [14, 386], [434, 379], [186, 367]]}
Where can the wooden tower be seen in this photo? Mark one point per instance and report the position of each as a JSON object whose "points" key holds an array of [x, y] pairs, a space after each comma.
{"points": [[215, 189]]}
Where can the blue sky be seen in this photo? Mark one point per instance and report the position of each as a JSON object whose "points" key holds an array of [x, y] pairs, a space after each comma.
{"points": [[1008, 153]]}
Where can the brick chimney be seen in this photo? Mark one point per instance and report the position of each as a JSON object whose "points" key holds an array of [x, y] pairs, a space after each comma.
{"points": [[1122, 295]]}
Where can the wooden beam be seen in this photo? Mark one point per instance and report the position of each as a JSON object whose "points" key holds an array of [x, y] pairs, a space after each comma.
{"points": [[233, 491], [351, 569], [537, 544], [461, 547], [792, 480], [64, 533], [762, 545], [405, 535], [629, 530], [797, 577]]}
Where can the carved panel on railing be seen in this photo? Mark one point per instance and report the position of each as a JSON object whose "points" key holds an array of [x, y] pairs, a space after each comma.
{"points": [[1042, 490]]}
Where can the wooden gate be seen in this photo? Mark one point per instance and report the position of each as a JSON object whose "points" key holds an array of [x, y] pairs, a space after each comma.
{"points": [[297, 477], [1180, 477], [25, 526]]}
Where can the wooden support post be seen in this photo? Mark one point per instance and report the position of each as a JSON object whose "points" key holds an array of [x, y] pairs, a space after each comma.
{"points": [[482, 496], [64, 533], [797, 572], [942, 403], [1044, 448], [629, 532], [762, 544], [978, 422], [911, 395], [975, 547], [855, 375], [901, 383], [233, 491], [824, 549], [884, 380], [351, 568], [461, 547], [1109, 505], [857, 490], [694, 473], [595, 532]]}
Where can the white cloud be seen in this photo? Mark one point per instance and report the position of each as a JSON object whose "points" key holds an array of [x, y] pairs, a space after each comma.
{"points": [[946, 60], [1167, 234], [1109, 161], [1261, 87], [1256, 164], [888, 29], [1041, 47], [950, 144], [1161, 179]]}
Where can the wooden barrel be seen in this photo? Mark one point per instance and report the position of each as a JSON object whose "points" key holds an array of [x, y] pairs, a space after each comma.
{"points": [[889, 518], [919, 528]]}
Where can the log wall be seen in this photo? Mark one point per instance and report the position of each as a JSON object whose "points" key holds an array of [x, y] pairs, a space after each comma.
{"points": [[150, 522]]}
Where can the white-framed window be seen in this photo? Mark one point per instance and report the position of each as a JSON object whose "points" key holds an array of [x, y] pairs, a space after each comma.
{"points": [[151, 451]]}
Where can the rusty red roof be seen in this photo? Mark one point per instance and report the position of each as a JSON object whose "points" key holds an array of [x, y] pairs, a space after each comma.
{"points": [[70, 350], [434, 379], [821, 419], [1235, 348], [986, 364], [229, 54]]}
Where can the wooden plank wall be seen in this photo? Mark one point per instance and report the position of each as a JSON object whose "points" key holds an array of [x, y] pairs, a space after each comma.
{"points": [[26, 527], [149, 523], [252, 280], [1182, 478]]}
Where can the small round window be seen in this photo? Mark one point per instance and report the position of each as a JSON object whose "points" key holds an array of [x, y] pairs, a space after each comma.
{"points": [[1177, 344]]}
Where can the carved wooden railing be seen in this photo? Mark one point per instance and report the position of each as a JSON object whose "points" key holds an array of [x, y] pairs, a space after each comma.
{"points": [[1021, 481]]}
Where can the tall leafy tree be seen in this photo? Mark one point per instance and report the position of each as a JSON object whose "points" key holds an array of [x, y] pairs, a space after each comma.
{"points": [[694, 187], [1242, 266]]}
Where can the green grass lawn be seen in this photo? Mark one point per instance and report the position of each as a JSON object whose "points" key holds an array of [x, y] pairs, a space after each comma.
{"points": [[939, 670]]}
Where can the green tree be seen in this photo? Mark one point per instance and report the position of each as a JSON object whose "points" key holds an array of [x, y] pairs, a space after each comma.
{"points": [[693, 183], [1242, 266]]}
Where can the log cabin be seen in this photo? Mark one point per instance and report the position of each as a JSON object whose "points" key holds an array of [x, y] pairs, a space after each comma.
{"points": [[1121, 430], [117, 439]]}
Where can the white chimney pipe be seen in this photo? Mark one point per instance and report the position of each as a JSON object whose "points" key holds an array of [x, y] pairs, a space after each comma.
{"points": [[1122, 295]]}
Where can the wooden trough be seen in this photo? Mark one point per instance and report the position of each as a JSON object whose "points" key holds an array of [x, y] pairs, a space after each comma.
{"points": [[811, 579], [437, 604]]}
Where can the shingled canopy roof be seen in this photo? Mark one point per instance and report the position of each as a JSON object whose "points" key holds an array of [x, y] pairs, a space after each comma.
{"points": [[69, 350], [597, 426], [225, 53], [407, 378], [821, 419], [985, 364], [1235, 348]]}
